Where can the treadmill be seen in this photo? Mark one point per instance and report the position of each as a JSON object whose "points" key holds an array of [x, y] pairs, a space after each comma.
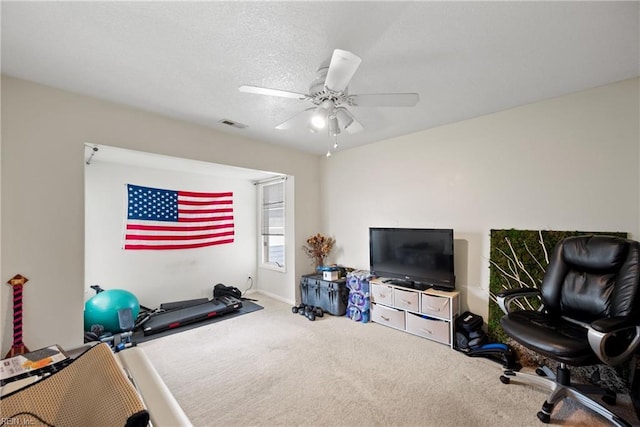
{"points": [[190, 314]]}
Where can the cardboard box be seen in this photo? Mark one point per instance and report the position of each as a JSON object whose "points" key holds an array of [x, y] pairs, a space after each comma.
{"points": [[330, 275]]}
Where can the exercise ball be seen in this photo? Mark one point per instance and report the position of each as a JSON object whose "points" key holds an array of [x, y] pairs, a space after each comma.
{"points": [[102, 309]]}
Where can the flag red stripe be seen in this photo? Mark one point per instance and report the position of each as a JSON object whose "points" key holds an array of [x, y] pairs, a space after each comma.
{"points": [[208, 218], [204, 202], [198, 194], [176, 227], [188, 246], [223, 210], [175, 237]]}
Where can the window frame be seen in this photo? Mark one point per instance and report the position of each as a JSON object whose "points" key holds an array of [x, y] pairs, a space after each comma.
{"points": [[264, 238]]}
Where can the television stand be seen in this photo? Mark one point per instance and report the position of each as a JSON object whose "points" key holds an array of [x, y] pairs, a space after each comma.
{"points": [[428, 312], [408, 284]]}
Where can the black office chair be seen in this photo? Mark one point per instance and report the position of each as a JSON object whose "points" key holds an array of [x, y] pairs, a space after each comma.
{"points": [[590, 314]]}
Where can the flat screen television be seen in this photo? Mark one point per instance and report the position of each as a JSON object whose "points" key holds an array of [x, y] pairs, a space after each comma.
{"points": [[418, 258]]}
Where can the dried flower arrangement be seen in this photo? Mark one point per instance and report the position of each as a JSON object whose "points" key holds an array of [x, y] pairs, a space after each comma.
{"points": [[318, 248]]}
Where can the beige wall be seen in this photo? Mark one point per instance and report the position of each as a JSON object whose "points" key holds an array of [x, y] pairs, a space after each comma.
{"points": [[43, 131], [569, 163]]}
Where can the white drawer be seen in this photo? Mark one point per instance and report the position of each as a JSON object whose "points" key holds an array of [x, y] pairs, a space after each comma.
{"points": [[382, 294], [432, 305], [408, 300], [387, 316], [437, 330]]}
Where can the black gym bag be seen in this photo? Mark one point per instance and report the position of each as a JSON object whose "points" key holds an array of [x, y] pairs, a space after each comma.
{"points": [[469, 333], [221, 290]]}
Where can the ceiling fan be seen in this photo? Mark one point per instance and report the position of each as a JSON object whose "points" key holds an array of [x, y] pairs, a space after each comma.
{"points": [[330, 96]]}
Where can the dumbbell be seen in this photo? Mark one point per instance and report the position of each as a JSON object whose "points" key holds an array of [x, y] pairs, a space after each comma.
{"points": [[313, 312], [309, 311], [298, 309]]}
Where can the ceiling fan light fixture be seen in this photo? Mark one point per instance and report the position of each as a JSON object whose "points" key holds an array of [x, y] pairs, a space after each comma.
{"points": [[327, 105], [334, 128], [345, 118], [318, 119], [323, 111]]}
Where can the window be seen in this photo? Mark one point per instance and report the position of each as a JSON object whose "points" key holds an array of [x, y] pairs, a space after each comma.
{"points": [[272, 224]]}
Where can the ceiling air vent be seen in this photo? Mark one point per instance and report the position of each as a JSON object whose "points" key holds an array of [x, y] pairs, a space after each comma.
{"points": [[232, 123]]}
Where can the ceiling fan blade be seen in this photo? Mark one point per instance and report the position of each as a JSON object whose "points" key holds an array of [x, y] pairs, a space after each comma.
{"points": [[272, 92], [347, 121], [299, 119], [384, 100], [341, 69]]}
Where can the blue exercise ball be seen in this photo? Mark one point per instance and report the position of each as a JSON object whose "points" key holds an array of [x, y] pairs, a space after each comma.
{"points": [[102, 309]]}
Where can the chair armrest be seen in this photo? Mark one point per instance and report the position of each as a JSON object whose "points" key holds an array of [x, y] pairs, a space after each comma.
{"points": [[613, 340], [505, 298], [613, 324]]}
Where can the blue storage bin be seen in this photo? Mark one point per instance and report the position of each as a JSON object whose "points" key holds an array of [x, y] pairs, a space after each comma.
{"points": [[359, 303]]}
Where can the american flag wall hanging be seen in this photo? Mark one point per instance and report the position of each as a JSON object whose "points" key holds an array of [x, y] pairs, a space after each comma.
{"points": [[160, 219]]}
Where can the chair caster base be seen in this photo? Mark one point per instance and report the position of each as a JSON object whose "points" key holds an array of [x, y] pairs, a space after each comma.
{"points": [[545, 414], [562, 389], [545, 418]]}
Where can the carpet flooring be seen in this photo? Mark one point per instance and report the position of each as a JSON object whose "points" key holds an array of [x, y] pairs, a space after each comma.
{"points": [[275, 368]]}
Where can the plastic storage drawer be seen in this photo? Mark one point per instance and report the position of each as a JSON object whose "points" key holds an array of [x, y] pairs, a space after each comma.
{"points": [[435, 329], [406, 300], [382, 294], [387, 316]]}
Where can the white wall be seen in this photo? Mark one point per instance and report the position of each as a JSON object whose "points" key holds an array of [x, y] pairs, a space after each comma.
{"points": [[566, 163], [163, 276], [569, 163], [43, 135]]}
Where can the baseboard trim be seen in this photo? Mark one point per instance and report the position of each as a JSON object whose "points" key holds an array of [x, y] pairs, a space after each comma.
{"points": [[274, 296]]}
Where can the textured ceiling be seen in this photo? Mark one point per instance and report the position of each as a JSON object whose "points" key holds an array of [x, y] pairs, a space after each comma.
{"points": [[187, 59]]}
